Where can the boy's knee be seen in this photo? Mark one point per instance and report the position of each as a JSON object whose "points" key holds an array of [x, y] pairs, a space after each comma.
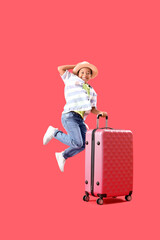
{"points": [[81, 146], [78, 144]]}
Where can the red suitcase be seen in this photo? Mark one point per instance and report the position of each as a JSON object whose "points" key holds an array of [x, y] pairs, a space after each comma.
{"points": [[108, 163]]}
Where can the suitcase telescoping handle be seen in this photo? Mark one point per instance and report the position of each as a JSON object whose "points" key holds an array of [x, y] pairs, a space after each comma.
{"points": [[98, 116]]}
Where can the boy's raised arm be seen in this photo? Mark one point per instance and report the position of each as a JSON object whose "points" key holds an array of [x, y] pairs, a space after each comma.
{"points": [[62, 69]]}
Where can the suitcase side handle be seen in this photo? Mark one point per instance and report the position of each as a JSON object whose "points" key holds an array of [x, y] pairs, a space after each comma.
{"points": [[98, 116]]}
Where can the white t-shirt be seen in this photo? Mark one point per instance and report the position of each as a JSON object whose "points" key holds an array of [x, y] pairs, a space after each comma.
{"points": [[76, 96]]}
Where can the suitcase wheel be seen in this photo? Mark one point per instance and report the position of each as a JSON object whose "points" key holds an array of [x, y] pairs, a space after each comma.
{"points": [[86, 198], [100, 201], [128, 197]]}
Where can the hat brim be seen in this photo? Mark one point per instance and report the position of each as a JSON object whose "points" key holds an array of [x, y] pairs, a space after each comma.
{"points": [[87, 65]]}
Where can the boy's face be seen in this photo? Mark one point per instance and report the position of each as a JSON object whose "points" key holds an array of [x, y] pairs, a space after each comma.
{"points": [[85, 74]]}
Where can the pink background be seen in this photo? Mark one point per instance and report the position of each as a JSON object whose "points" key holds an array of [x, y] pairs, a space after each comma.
{"points": [[122, 39]]}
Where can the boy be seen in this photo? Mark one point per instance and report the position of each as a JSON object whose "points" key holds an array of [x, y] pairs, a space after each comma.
{"points": [[81, 99]]}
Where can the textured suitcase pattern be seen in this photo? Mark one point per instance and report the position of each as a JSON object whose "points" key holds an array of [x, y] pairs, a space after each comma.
{"points": [[116, 150], [113, 162]]}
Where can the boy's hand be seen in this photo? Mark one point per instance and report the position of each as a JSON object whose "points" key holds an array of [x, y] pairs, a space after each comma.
{"points": [[97, 112], [104, 114]]}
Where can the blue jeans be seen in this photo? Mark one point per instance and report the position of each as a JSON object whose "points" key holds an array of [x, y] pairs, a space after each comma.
{"points": [[76, 129]]}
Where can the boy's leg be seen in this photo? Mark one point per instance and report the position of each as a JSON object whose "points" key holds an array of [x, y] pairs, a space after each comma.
{"points": [[71, 125], [70, 152], [75, 138]]}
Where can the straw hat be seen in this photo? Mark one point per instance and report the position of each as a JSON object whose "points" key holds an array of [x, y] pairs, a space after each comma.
{"points": [[88, 65]]}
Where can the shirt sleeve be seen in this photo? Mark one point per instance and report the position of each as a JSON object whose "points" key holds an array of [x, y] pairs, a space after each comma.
{"points": [[94, 99], [66, 76]]}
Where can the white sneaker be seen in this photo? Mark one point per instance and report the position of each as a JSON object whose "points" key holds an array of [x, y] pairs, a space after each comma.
{"points": [[49, 134], [61, 160]]}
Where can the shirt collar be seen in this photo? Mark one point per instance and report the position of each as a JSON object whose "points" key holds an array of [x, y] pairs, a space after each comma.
{"points": [[80, 79]]}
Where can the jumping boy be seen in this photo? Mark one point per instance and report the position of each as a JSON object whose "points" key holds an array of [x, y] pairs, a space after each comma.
{"points": [[81, 99]]}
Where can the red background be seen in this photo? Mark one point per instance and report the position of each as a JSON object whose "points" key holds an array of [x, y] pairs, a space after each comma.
{"points": [[122, 39]]}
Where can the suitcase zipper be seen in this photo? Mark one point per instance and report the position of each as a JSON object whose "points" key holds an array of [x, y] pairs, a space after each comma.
{"points": [[92, 161]]}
